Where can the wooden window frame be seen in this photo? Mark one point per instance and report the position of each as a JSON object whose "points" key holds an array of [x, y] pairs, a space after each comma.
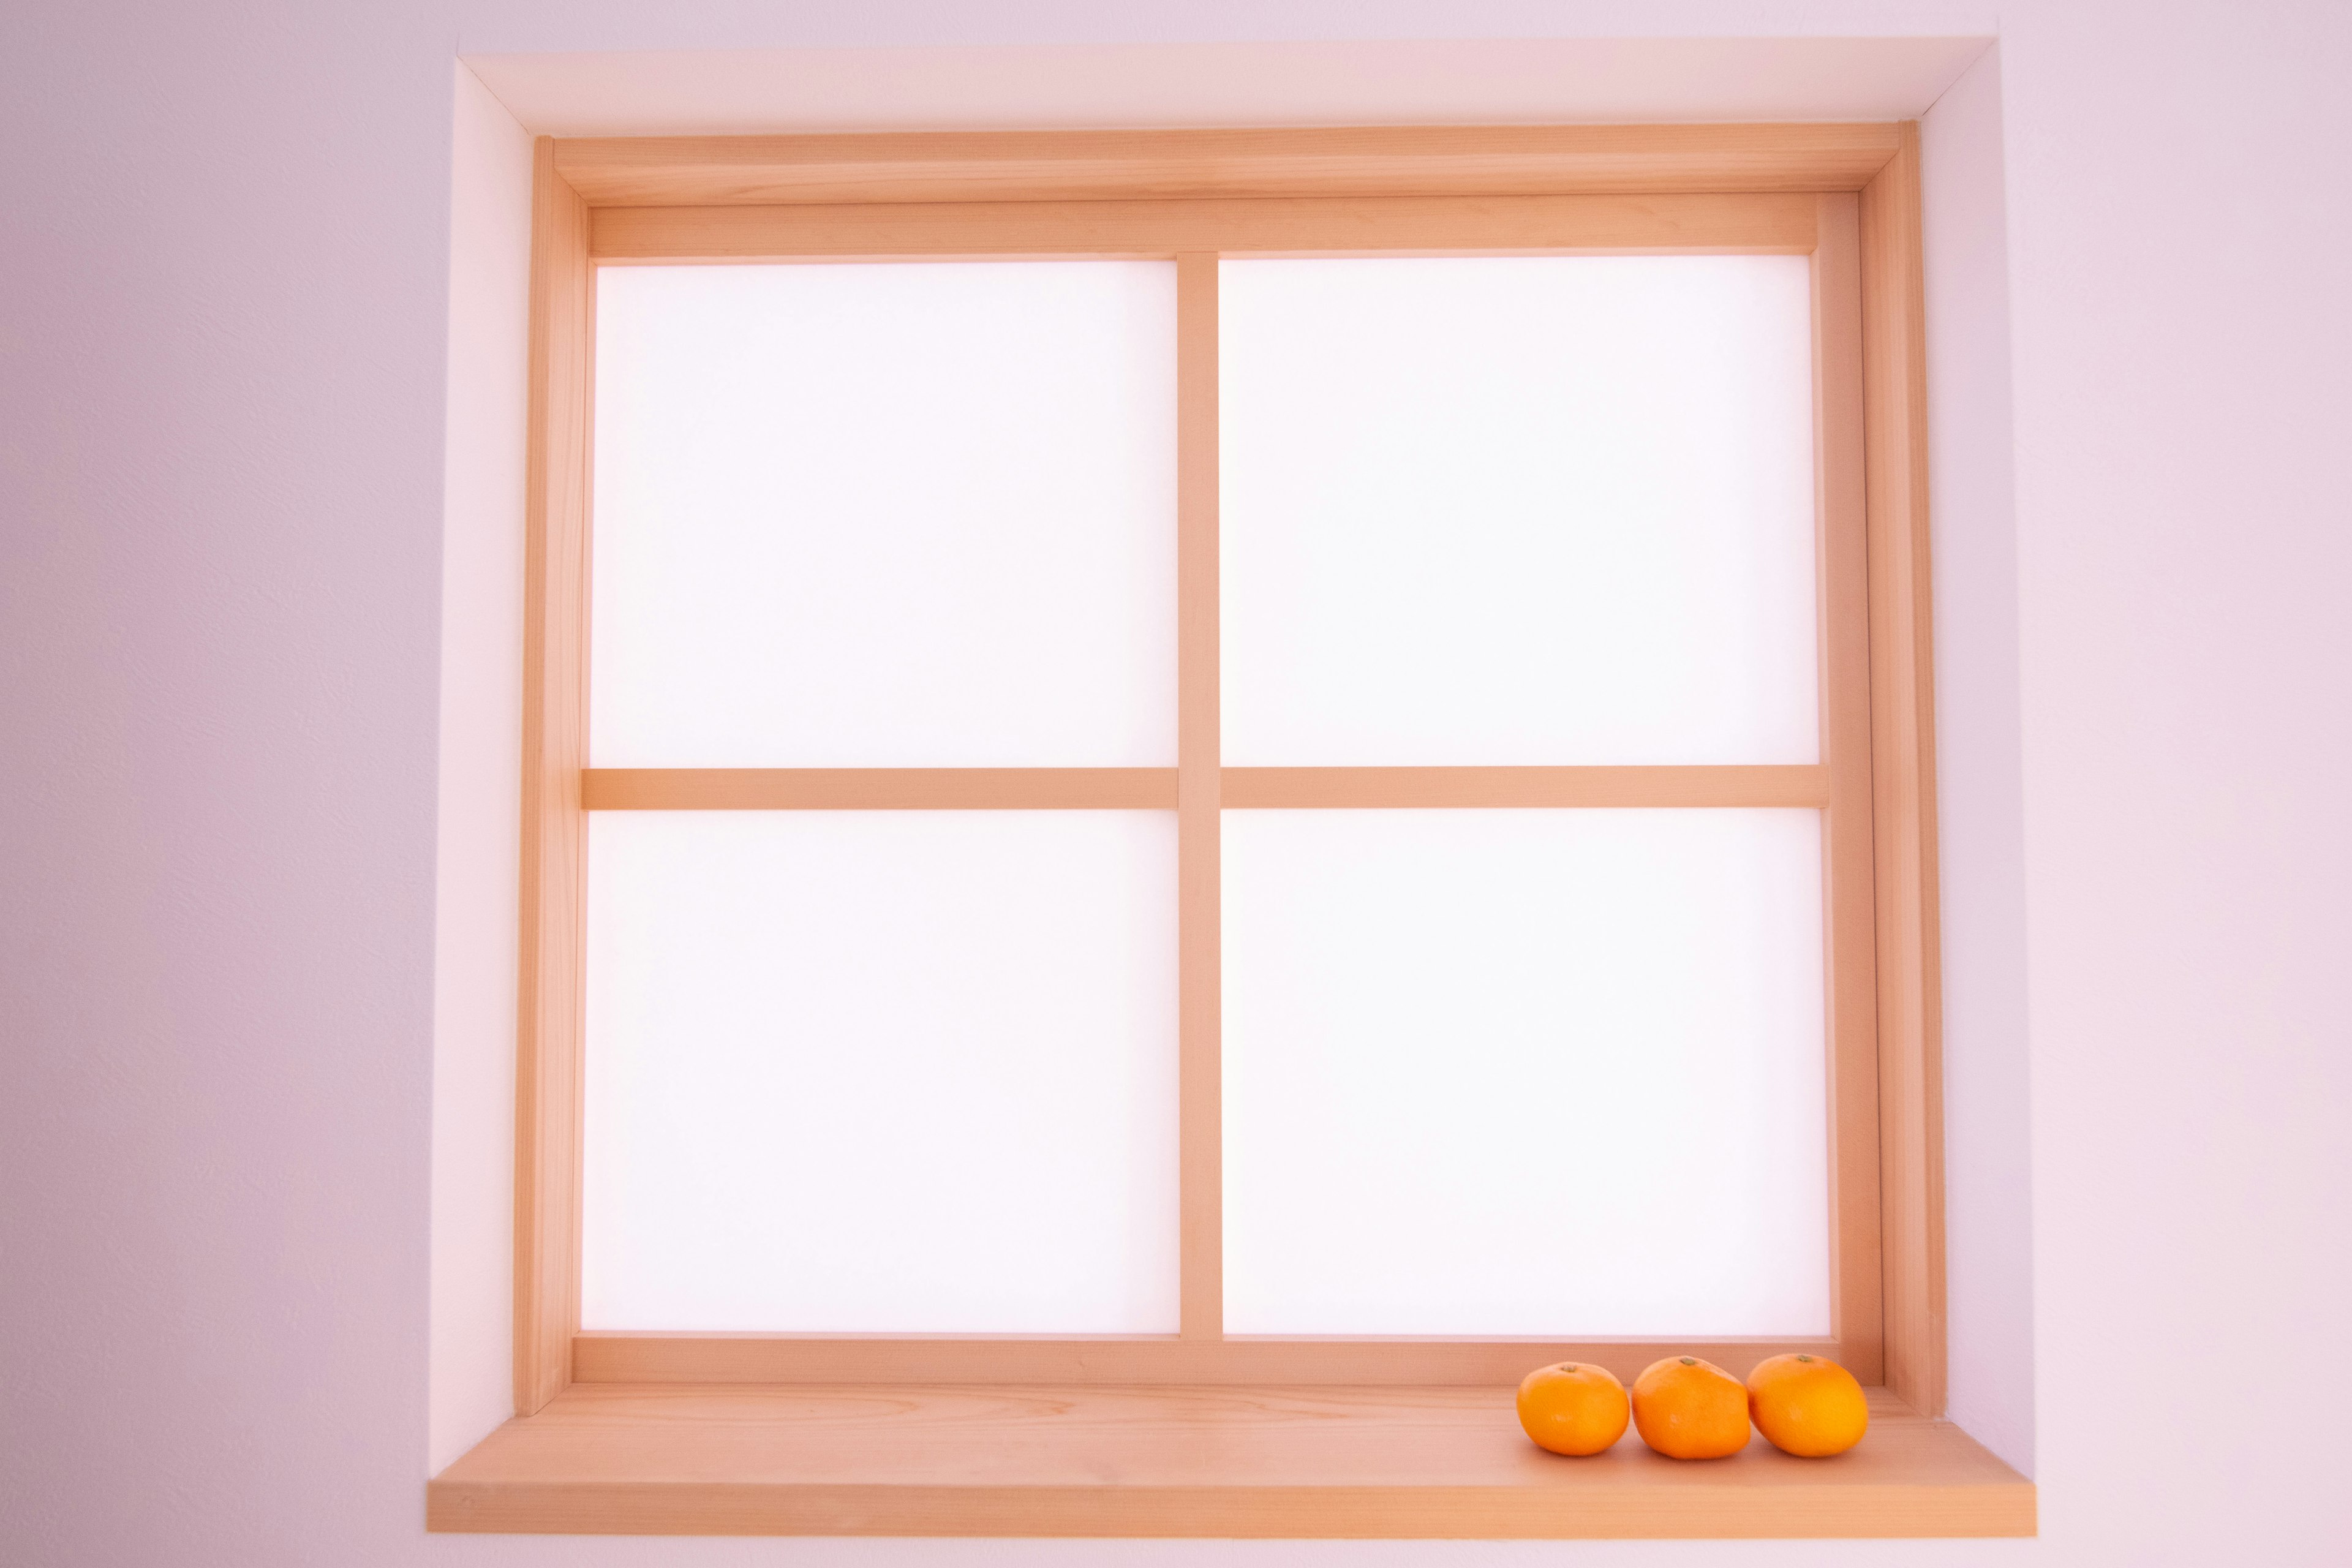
{"points": [[1847, 195]]}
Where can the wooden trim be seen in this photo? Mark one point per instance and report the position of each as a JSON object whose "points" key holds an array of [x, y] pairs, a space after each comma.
{"points": [[1903, 732], [1160, 1360], [1281, 226], [1594, 189], [878, 789], [1232, 1462], [1161, 789], [1102, 165], [1795, 785], [1848, 869], [554, 745], [1199, 818]]}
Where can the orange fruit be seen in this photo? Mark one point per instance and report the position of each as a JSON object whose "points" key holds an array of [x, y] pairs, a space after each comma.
{"points": [[1807, 1407], [1690, 1409], [1572, 1409]]}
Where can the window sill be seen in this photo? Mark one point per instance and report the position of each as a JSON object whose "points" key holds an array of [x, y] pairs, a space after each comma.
{"points": [[1220, 1462]]}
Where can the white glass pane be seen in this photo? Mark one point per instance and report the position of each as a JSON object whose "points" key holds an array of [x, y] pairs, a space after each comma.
{"points": [[866, 1072], [1540, 1073], [886, 515], [1518, 511]]}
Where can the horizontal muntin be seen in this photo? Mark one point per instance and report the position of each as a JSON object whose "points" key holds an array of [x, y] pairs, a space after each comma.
{"points": [[1154, 789]]}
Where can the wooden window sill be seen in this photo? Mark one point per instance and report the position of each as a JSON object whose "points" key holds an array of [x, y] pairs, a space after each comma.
{"points": [[1200, 1461]]}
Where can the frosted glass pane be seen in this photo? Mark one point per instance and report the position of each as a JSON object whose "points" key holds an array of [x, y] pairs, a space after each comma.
{"points": [[1518, 511], [866, 1072], [1539, 1073], [886, 515]]}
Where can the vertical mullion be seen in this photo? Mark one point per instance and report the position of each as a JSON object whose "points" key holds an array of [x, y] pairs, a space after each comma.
{"points": [[1201, 1116], [1848, 847]]}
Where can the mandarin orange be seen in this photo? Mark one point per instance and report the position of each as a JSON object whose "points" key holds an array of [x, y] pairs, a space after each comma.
{"points": [[1690, 1409], [1574, 1407], [1807, 1407]]}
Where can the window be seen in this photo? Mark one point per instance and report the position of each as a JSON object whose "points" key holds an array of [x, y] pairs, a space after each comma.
{"points": [[1291, 759], [876, 1070]]}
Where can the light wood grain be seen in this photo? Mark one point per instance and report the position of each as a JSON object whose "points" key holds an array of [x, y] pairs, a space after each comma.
{"points": [[1849, 868], [1526, 786], [1281, 226], [1140, 789], [1169, 1359], [554, 744], [1090, 165], [1902, 728], [879, 789], [1198, 816], [1130, 1462], [1596, 189]]}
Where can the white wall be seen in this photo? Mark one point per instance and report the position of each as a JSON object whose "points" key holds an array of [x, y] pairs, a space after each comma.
{"points": [[1981, 799], [227, 297], [2181, 204], [480, 793], [1302, 82]]}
